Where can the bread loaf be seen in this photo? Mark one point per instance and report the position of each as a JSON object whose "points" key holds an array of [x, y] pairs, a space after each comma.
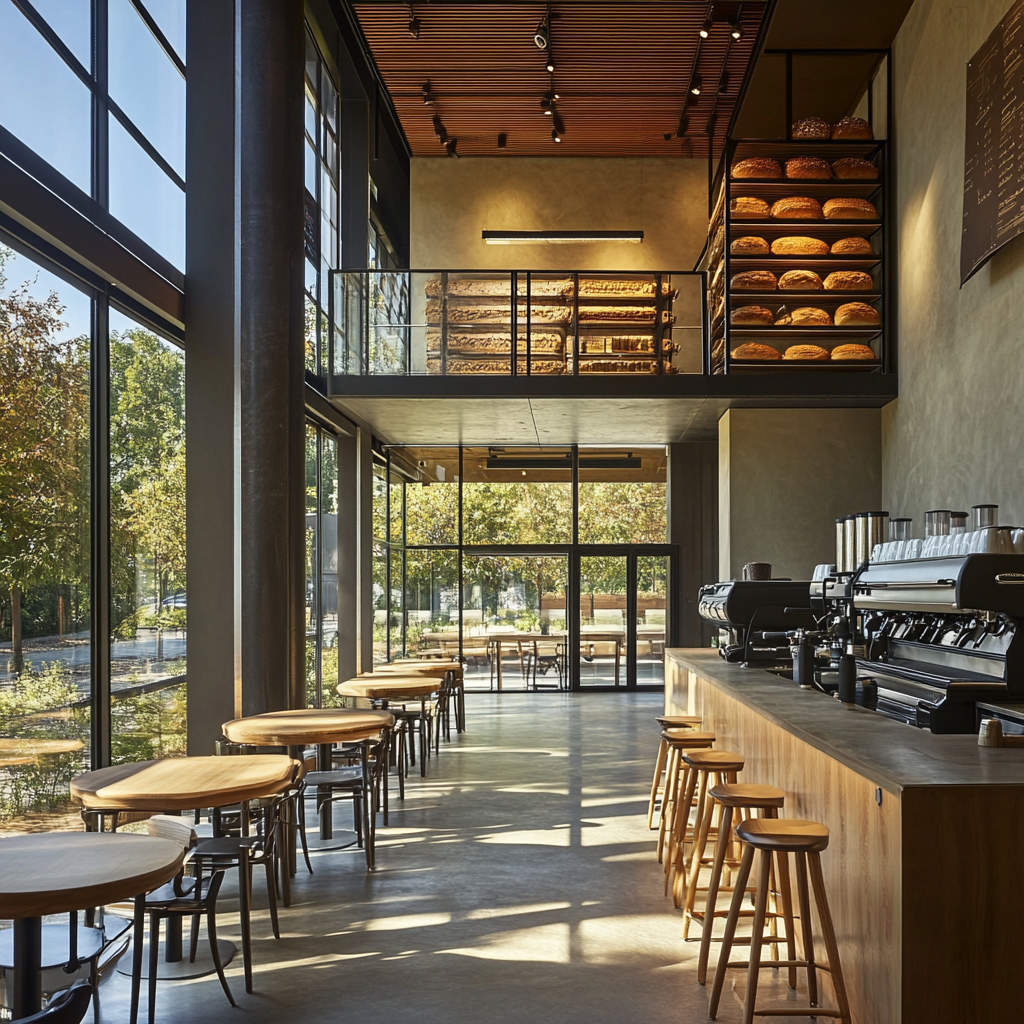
{"points": [[848, 281], [754, 281], [752, 316], [755, 350], [497, 313], [848, 208], [852, 128], [808, 167], [855, 246], [810, 316], [811, 128], [497, 287], [800, 281], [749, 245], [853, 167], [796, 208], [757, 167], [748, 208], [615, 288], [809, 352], [797, 245], [857, 314], [853, 352]]}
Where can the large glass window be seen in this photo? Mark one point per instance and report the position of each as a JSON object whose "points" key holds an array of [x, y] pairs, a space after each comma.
{"points": [[149, 596], [623, 496], [52, 99], [45, 575]]}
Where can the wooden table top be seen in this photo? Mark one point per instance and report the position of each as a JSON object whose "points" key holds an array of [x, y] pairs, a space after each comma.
{"points": [[310, 725], [32, 748], [184, 783], [57, 872], [417, 668], [392, 688]]}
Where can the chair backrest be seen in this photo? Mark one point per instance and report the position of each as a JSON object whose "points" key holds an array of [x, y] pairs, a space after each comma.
{"points": [[67, 1008], [178, 830]]}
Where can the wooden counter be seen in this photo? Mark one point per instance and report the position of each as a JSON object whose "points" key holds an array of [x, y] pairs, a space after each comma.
{"points": [[924, 865]]}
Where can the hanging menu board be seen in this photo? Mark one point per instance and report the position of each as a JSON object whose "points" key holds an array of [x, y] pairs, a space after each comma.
{"points": [[994, 144]]}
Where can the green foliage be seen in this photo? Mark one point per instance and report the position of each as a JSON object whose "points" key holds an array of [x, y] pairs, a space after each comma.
{"points": [[146, 726]]}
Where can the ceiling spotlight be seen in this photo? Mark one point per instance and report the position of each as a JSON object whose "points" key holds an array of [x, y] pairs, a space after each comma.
{"points": [[550, 64], [723, 82], [556, 135], [668, 136], [547, 103], [542, 37], [705, 29], [696, 84], [555, 96], [449, 148], [502, 140], [428, 96], [414, 27], [439, 130], [736, 32]]}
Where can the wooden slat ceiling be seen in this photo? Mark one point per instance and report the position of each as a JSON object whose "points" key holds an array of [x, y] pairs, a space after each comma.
{"points": [[622, 72]]}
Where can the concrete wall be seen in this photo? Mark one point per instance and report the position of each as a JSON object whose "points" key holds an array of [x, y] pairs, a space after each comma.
{"points": [[955, 436], [453, 201], [785, 475]]}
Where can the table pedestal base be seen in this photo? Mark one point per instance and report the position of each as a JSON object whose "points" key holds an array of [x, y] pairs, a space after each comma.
{"points": [[176, 970]]}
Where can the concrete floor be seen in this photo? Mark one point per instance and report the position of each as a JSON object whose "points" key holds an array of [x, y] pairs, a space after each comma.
{"points": [[517, 883]]}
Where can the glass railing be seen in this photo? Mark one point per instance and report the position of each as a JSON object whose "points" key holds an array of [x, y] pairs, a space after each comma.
{"points": [[517, 323]]}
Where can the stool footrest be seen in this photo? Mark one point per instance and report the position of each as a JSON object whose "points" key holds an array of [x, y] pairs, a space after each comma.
{"points": [[776, 963], [797, 1011]]}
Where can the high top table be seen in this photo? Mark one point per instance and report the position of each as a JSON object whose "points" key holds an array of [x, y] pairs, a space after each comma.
{"points": [[61, 872], [395, 687], [320, 727], [450, 670], [183, 784]]}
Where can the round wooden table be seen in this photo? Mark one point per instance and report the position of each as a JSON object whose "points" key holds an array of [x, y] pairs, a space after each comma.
{"points": [[183, 784], [61, 872], [452, 670]]}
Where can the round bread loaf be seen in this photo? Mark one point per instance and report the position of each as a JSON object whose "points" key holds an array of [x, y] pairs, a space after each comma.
{"points": [[755, 350], [811, 128], [757, 167], [752, 316], [784, 320], [852, 128], [848, 208], [855, 246], [797, 208], [749, 245], [808, 167], [748, 208], [800, 281], [754, 281], [857, 314], [810, 352], [810, 316], [850, 353], [848, 281], [797, 245], [856, 168]]}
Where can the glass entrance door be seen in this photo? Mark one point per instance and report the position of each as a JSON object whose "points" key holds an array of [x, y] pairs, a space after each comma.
{"points": [[623, 616]]}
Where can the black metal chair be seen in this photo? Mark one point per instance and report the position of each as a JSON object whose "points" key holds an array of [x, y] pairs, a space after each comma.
{"points": [[69, 1007]]}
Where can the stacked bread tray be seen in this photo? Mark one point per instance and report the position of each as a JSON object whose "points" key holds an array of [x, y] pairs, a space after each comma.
{"points": [[801, 270]]}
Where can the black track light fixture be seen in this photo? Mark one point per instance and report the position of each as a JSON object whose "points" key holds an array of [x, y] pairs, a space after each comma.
{"points": [[683, 126], [696, 85], [705, 29], [735, 29], [547, 103], [428, 95], [439, 130], [556, 135], [542, 37], [723, 82], [450, 148], [502, 140], [668, 136], [414, 23], [550, 64]]}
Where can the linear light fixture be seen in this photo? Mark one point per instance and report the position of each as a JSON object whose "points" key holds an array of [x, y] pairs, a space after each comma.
{"points": [[627, 461], [532, 237]]}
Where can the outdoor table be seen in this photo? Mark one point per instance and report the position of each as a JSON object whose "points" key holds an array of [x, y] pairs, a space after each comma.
{"points": [[61, 872], [589, 634], [497, 639], [183, 784], [320, 727]]}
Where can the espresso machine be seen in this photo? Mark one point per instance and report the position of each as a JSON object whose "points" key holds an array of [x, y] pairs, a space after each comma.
{"points": [[746, 610]]}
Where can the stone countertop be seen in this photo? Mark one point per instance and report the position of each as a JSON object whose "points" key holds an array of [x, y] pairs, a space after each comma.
{"points": [[891, 754]]}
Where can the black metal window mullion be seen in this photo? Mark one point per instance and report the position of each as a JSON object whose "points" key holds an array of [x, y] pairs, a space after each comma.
{"points": [[387, 556], [99, 530], [150, 150], [460, 559], [161, 39], [318, 566], [100, 125], [62, 50], [632, 583]]}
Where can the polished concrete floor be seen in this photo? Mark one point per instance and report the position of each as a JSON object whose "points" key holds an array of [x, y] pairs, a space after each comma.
{"points": [[518, 882]]}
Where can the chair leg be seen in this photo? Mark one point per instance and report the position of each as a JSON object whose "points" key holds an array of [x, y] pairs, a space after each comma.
{"points": [[757, 936], [244, 915], [659, 768], [805, 926], [828, 934], [268, 866], [211, 931], [738, 894], [139, 938], [708, 924], [154, 954], [193, 939]]}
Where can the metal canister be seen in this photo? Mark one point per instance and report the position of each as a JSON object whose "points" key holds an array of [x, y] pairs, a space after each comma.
{"points": [[840, 546], [936, 522], [899, 529], [849, 544], [871, 529], [984, 515]]}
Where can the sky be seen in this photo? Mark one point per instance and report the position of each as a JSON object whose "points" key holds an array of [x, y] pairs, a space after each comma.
{"points": [[45, 104]]}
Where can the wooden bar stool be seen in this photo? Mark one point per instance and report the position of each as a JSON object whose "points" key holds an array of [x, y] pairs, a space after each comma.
{"points": [[736, 801], [779, 837], [678, 740], [666, 722], [701, 765]]}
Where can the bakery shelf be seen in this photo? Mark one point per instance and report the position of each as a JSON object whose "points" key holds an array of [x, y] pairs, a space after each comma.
{"points": [[804, 366], [816, 188], [751, 332], [827, 149], [823, 262], [811, 225], [788, 298]]}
